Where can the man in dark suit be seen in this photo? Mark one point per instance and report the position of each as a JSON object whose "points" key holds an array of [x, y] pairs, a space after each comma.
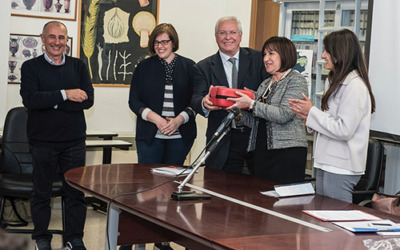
{"points": [[216, 70]]}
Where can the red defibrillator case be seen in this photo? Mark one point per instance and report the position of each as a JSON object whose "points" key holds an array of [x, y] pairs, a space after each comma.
{"points": [[219, 95]]}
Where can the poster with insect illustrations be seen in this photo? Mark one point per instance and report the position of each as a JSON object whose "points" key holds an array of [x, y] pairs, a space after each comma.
{"points": [[114, 36]]}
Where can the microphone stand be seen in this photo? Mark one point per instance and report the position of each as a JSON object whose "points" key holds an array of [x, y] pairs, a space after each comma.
{"points": [[192, 195]]}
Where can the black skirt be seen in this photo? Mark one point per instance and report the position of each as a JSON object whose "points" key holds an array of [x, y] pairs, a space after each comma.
{"points": [[283, 166]]}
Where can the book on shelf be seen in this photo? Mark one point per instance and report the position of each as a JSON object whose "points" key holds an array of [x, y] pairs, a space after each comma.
{"points": [[172, 170]]}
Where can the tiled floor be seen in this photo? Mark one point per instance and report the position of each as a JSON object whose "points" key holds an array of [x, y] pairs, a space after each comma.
{"points": [[94, 236]]}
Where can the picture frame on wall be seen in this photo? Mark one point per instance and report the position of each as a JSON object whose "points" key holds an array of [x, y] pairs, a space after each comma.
{"points": [[22, 48], [303, 65], [51, 9], [114, 37]]}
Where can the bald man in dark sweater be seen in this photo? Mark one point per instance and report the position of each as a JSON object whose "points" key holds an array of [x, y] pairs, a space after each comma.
{"points": [[55, 89]]}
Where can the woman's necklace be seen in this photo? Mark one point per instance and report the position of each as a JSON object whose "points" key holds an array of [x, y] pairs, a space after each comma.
{"points": [[268, 90]]}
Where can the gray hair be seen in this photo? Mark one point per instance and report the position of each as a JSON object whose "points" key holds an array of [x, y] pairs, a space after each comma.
{"points": [[228, 18], [56, 23]]}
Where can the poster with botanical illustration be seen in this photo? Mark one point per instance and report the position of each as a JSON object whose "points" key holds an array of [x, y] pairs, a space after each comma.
{"points": [[23, 48], [114, 37], [54, 9]]}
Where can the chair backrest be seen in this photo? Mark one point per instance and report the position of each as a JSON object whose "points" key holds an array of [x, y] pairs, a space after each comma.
{"points": [[16, 156], [373, 171]]}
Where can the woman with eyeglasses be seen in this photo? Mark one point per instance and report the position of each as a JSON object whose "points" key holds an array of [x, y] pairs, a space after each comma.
{"points": [[278, 137], [341, 126], [160, 93]]}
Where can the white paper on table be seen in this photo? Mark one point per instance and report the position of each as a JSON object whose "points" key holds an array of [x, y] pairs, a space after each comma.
{"points": [[381, 226], [172, 170], [341, 215], [389, 233], [290, 201], [291, 190]]}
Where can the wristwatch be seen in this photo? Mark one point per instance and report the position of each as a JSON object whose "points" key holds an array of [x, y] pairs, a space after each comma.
{"points": [[252, 104]]}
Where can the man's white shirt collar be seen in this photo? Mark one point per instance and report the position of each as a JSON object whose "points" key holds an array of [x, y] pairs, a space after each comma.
{"points": [[225, 58], [52, 62]]}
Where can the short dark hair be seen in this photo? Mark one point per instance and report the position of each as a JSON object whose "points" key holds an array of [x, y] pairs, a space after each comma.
{"points": [[286, 50], [161, 29]]}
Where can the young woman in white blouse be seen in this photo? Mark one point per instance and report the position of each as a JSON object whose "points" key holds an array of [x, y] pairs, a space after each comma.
{"points": [[342, 124]]}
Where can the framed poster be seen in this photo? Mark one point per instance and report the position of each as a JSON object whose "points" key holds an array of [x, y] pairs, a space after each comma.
{"points": [[25, 47], [52, 9], [304, 63], [114, 37]]}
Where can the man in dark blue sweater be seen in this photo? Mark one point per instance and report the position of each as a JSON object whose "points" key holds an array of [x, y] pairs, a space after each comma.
{"points": [[55, 89]]}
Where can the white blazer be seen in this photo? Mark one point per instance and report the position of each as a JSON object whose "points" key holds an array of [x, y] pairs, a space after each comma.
{"points": [[342, 132]]}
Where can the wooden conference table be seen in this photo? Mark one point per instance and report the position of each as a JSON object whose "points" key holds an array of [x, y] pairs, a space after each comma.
{"points": [[218, 223]]}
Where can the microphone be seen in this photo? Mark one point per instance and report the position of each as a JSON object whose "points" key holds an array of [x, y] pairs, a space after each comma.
{"points": [[225, 122]]}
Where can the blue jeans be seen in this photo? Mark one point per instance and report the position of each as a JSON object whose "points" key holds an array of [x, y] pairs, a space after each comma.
{"points": [[163, 151]]}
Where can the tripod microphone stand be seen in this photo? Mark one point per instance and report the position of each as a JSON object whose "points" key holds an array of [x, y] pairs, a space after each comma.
{"points": [[192, 195]]}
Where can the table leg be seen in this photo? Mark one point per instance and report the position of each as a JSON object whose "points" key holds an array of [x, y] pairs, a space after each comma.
{"points": [[113, 221], [107, 155]]}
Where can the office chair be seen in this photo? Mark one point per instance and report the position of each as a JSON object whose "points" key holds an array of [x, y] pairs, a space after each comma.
{"points": [[16, 170], [369, 182]]}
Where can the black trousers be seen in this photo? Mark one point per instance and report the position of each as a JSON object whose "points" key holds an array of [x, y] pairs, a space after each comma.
{"points": [[46, 161], [237, 155]]}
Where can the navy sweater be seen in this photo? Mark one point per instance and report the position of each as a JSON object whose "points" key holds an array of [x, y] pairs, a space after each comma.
{"points": [[41, 83]]}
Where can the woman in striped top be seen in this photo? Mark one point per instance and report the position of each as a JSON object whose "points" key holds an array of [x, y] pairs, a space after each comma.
{"points": [[160, 93]]}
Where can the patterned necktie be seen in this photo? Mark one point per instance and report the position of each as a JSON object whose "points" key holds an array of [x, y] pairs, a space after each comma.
{"points": [[234, 73]]}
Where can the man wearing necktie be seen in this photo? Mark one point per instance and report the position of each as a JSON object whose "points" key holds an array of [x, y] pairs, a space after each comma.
{"points": [[233, 67]]}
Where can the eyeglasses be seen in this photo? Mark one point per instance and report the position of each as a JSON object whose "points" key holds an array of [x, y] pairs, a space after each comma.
{"points": [[225, 33], [163, 42]]}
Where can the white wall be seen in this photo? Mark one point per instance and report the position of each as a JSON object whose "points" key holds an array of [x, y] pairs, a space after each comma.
{"points": [[384, 68], [194, 21], [385, 80], [4, 43]]}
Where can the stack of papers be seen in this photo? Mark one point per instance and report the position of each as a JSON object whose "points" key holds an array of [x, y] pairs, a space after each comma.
{"points": [[290, 190], [381, 226], [357, 221], [172, 170], [341, 215]]}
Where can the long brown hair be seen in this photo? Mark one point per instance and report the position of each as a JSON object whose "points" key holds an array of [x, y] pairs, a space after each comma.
{"points": [[346, 55]]}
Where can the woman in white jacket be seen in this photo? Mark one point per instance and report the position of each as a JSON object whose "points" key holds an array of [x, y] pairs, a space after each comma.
{"points": [[342, 125]]}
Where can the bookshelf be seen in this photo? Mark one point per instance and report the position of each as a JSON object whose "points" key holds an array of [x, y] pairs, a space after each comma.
{"points": [[299, 21]]}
